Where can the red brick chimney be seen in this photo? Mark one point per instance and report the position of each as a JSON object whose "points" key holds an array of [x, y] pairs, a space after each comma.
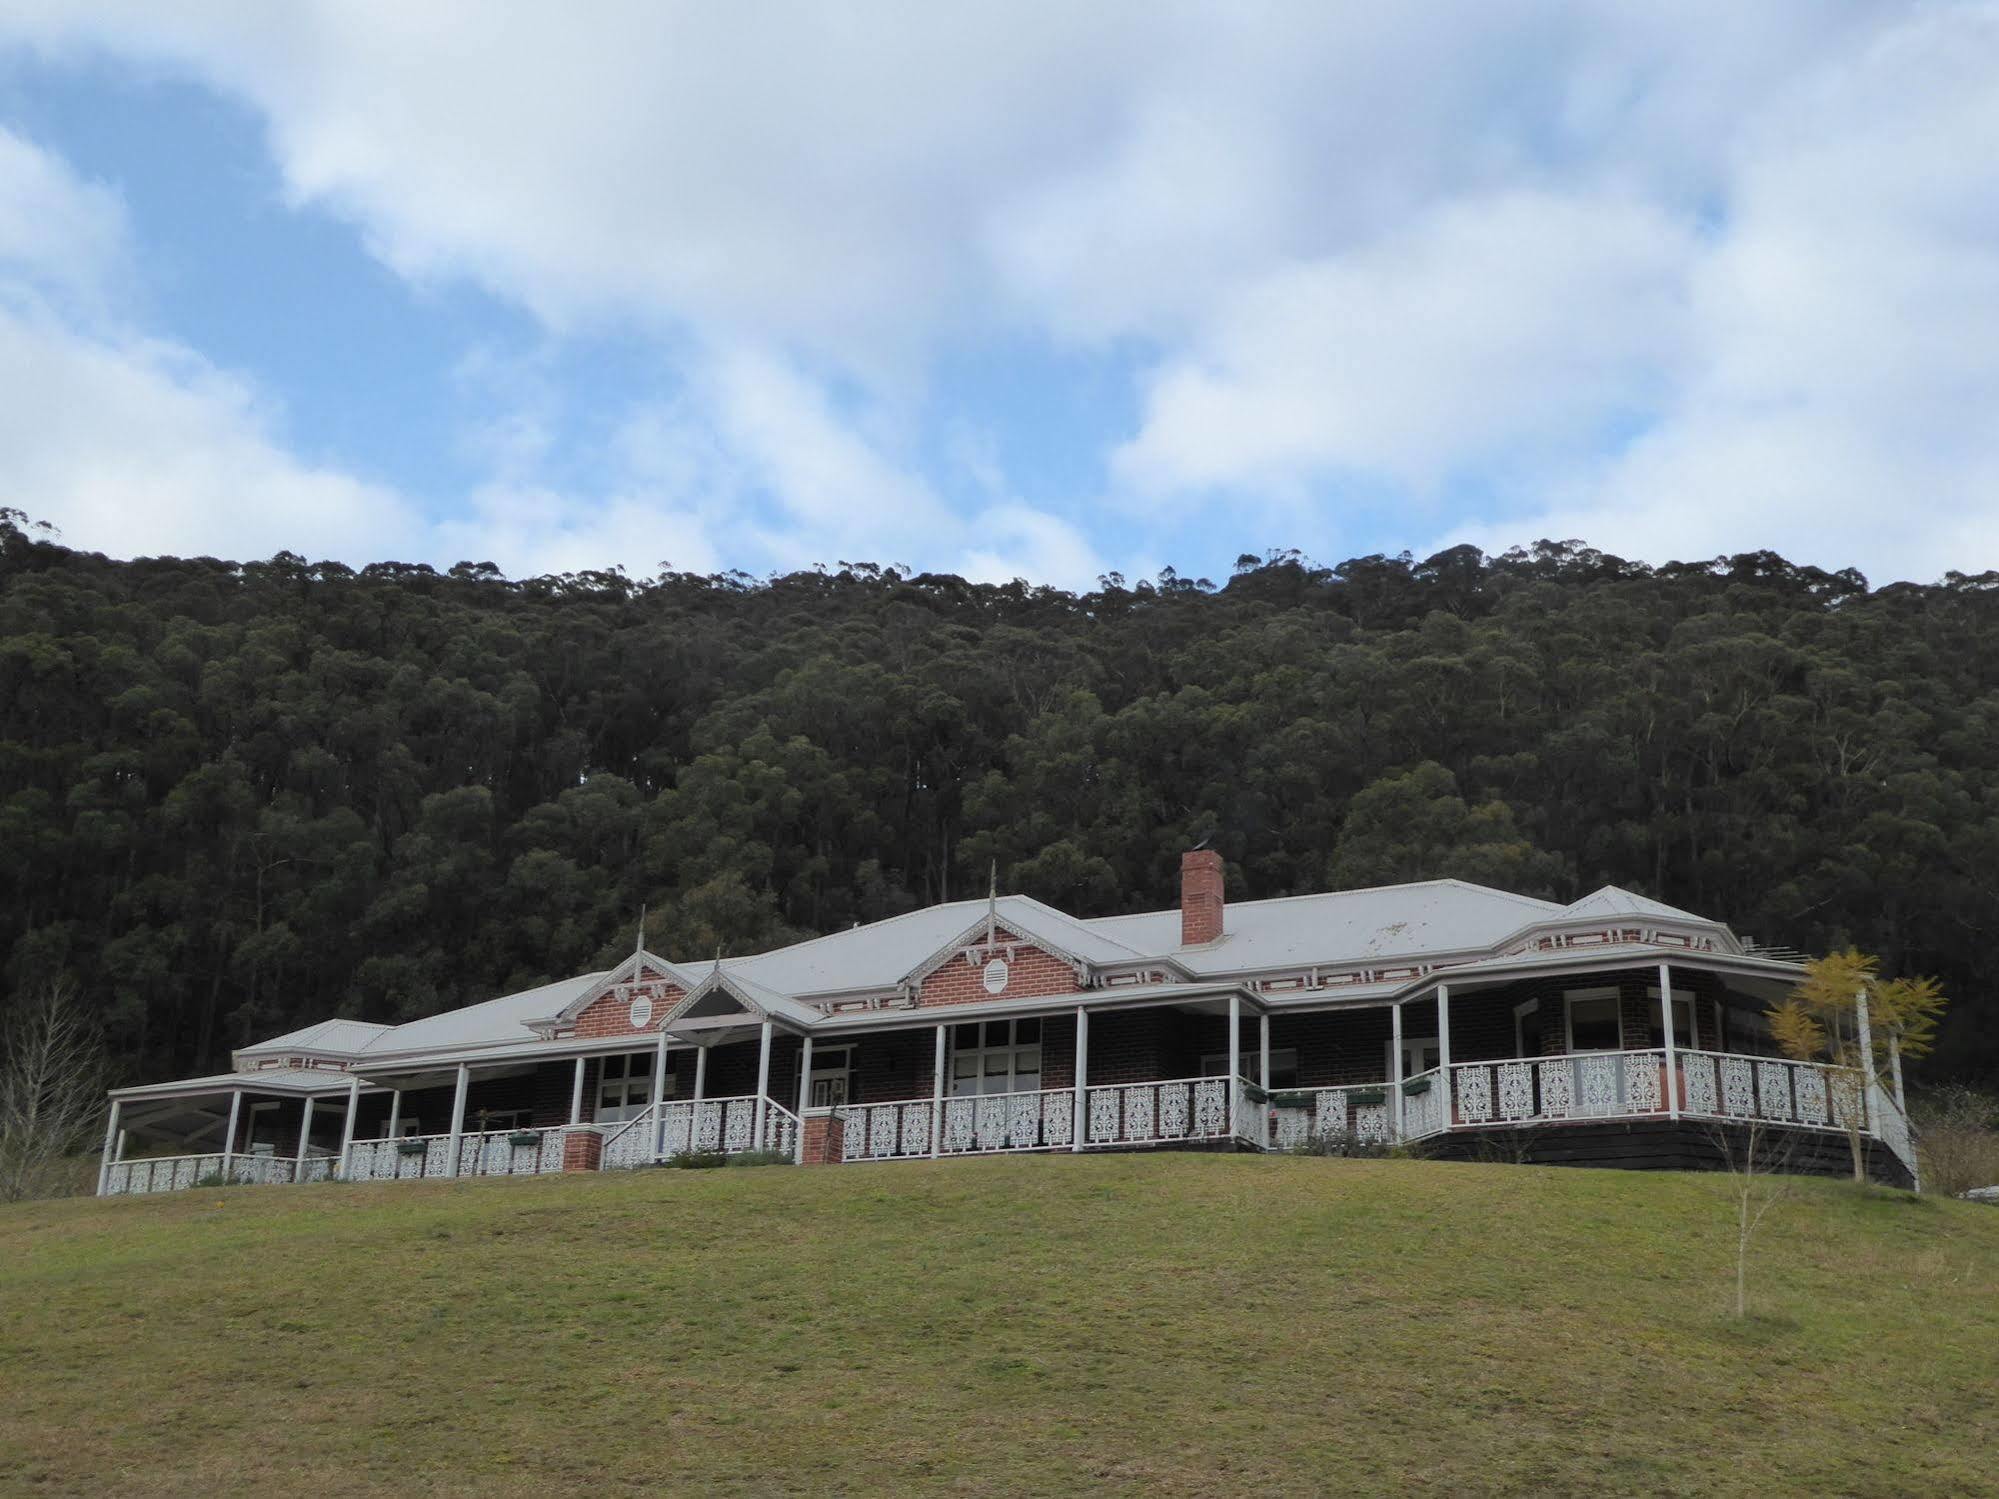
{"points": [[1200, 897]]}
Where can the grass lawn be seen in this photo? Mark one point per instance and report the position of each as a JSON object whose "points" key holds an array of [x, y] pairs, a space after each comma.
{"points": [[1179, 1324]]}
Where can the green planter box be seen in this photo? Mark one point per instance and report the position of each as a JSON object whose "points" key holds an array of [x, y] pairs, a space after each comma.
{"points": [[412, 1147], [1254, 1094], [1366, 1098], [1416, 1087], [1291, 1100], [522, 1137]]}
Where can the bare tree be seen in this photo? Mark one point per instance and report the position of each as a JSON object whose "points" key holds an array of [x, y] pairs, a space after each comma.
{"points": [[1759, 1179], [52, 1078]]}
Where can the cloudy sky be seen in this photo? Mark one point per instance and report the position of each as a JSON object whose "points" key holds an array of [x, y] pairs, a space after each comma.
{"points": [[1036, 289]]}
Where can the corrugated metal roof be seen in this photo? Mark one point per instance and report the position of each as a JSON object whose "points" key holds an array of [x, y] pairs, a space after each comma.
{"points": [[347, 1037], [260, 1080], [1337, 927], [1612, 900], [502, 1019]]}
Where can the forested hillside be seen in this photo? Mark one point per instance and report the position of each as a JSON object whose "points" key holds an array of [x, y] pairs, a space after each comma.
{"points": [[236, 797]]}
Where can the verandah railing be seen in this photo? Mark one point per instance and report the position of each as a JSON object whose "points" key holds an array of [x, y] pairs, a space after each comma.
{"points": [[721, 1126], [499, 1152], [1173, 1111], [179, 1172]]}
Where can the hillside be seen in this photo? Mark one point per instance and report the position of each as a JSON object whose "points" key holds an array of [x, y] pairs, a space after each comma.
{"points": [[1169, 1324], [239, 798]]}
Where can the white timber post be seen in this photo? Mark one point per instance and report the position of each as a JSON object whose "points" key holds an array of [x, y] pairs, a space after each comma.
{"points": [[804, 1096], [1866, 1057], [1444, 1052], [1082, 1078], [304, 1140], [763, 1086], [1672, 1060], [395, 1114], [1895, 1069], [1395, 1065], [937, 1096], [700, 1072], [1235, 1061], [575, 1094], [229, 1136], [110, 1144], [1263, 1052], [659, 1095], [458, 1116], [347, 1127]]}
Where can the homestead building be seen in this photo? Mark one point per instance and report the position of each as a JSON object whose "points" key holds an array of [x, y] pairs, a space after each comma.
{"points": [[1612, 1031]]}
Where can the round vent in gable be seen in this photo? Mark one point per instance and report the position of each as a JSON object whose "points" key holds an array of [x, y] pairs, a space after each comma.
{"points": [[996, 975], [641, 1015]]}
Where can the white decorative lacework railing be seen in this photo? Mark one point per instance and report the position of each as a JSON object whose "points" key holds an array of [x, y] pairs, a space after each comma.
{"points": [[1720, 1086], [705, 1126], [1360, 1112], [497, 1152], [1188, 1108], [983, 1125], [1891, 1127], [177, 1173]]}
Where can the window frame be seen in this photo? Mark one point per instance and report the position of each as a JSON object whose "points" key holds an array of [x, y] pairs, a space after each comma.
{"points": [[1681, 997], [635, 1074], [988, 1052], [1597, 992], [1216, 1064]]}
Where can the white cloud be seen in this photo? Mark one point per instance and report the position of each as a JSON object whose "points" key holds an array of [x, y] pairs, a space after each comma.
{"points": [[1017, 541], [1678, 279]]}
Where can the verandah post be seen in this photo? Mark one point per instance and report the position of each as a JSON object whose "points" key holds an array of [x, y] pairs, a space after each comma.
{"points": [[659, 1094], [1235, 1061], [395, 1113], [1672, 1060], [763, 1086], [1444, 1053], [110, 1141], [804, 1095], [347, 1127], [575, 1095], [1263, 1051], [700, 1072], [229, 1135], [1866, 1055], [937, 1096], [1395, 1065], [458, 1116], [304, 1140], [1082, 1078]]}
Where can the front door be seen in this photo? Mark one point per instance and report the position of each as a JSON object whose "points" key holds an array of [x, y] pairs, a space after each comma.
{"points": [[1419, 1054], [832, 1070]]}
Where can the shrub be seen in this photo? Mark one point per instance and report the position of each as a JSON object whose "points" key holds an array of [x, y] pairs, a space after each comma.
{"points": [[1341, 1143], [697, 1160], [760, 1158], [1957, 1138]]}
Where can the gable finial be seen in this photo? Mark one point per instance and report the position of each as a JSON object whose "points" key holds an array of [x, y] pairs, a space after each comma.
{"points": [[639, 945], [992, 908]]}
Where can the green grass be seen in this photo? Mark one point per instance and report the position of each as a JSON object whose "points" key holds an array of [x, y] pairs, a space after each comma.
{"points": [[1164, 1324]]}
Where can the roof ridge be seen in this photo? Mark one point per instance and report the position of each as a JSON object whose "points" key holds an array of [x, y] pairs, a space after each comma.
{"points": [[1273, 900]]}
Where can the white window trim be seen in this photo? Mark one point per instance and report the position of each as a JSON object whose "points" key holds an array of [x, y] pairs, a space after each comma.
{"points": [[627, 1107], [827, 1063], [1012, 1047], [1388, 1052], [1521, 1011], [1569, 998]]}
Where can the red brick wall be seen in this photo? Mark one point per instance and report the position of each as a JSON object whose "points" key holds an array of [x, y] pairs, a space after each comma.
{"points": [[1031, 972], [825, 1140], [611, 1014]]}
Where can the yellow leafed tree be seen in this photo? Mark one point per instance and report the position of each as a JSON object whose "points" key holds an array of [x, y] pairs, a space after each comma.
{"points": [[1820, 1021]]}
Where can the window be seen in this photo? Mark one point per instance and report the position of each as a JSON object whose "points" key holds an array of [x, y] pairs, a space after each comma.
{"points": [[1683, 1019], [1283, 1065], [492, 1119], [624, 1087], [408, 1126], [1594, 1020], [1419, 1054], [995, 1056]]}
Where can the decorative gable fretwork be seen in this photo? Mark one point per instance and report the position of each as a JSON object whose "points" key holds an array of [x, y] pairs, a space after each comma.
{"points": [[294, 1061], [1649, 936], [1008, 967], [633, 1006]]}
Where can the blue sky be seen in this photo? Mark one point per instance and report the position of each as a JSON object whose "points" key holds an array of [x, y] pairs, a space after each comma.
{"points": [[1033, 290]]}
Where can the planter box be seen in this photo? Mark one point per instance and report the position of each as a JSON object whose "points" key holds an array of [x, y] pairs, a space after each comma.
{"points": [[412, 1147], [1416, 1087], [524, 1137], [1366, 1098], [1291, 1100]]}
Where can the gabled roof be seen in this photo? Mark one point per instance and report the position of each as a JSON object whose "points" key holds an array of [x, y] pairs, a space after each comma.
{"points": [[502, 1019], [747, 992], [1336, 927], [577, 1003], [340, 1037], [884, 953], [1612, 900]]}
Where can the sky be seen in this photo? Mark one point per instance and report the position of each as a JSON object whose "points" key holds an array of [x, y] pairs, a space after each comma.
{"points": [[1031, 289]]}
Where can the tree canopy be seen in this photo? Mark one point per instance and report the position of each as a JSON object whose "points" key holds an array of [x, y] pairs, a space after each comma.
{"points": [[238, 797]]}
